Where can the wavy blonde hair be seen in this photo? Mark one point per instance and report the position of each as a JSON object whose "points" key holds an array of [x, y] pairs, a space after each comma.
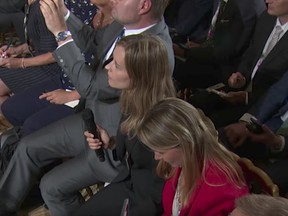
{"points": [[146, 62], [175, 123]]}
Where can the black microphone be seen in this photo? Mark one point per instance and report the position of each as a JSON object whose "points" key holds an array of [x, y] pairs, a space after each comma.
{"points": [[87, 116]]}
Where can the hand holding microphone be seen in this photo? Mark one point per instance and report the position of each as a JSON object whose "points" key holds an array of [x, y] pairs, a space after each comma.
{"points": [[93, 134]]}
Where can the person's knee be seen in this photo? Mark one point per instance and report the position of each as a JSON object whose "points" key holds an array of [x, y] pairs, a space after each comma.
{"points": [[47, 187], [30, 125], [9, 111]]}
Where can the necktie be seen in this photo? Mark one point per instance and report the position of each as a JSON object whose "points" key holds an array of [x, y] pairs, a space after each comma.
{"points": [[219, 11], [275, 38], [109, 55]]}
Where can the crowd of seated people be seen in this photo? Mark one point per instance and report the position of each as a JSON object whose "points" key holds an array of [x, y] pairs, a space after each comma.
{"points": [[160, 155]]}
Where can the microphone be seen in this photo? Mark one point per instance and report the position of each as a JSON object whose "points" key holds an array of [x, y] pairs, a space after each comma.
{"points": [[88, 118]]}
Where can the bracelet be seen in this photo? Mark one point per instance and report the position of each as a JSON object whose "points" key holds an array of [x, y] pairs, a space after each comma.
{"points": [[22, 64]]}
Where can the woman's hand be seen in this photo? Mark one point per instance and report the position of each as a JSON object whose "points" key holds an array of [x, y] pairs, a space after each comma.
{"points": [[95, 143], [60, 96], [11, 63]]}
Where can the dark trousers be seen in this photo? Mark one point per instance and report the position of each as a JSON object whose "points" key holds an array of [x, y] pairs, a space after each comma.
{"points": [[11, 6], [220, 112], [108, 201], [60, 186], [27, 110]]}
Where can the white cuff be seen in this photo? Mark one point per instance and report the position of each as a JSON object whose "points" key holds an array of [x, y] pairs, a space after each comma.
{"points": [[279, 148], [67, 15], [62, 44], [246, 117]]}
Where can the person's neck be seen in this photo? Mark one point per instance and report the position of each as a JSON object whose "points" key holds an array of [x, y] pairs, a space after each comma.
{"points": [[142, 23], [283, 19], [106, 11]]}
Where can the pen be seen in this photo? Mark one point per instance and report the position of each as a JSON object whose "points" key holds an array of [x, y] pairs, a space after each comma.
{"points": [[8, 46]]}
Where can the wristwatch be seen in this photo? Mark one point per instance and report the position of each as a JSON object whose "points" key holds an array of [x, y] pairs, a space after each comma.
{"points": [[61, 36]]}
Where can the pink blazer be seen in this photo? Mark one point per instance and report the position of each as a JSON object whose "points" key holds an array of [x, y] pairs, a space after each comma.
{"points": [[206, 200]]}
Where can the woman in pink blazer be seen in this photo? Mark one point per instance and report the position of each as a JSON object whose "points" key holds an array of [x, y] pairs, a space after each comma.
{"points": [[203, 179]]}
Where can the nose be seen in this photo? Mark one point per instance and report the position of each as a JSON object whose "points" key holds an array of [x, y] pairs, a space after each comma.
{"points": [[108, 66], [157, 156]]}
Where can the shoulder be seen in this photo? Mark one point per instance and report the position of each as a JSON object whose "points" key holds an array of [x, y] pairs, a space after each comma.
{"points": [[222, 194]]}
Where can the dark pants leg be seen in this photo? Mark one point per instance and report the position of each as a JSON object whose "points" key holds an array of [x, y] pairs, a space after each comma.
{"points": [[35, 113], [60, 187], [35, 151], [108, 201]]}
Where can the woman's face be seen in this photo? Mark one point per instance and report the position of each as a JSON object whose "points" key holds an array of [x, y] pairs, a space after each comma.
{"points": [[117, 74], [172, 156]]}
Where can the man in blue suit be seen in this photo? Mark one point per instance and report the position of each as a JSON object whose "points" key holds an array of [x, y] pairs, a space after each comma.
{"points": [[272, 113]]}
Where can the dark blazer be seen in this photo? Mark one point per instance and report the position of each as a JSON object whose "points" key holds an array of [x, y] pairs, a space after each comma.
{"points": [[273, 66], [219, 56], [93, 85], [189, 18], [233, 30], [142, 182]]}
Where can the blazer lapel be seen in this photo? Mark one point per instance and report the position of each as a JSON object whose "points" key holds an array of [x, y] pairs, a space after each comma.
{"points": [[278, 48], [110, 35], [262, 39]]}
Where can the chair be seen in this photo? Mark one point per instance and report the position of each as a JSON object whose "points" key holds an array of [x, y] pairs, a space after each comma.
{"points": [[257, 179]]}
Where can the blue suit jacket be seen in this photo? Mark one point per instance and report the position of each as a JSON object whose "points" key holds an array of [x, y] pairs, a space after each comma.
{"points": [[275, 103]]}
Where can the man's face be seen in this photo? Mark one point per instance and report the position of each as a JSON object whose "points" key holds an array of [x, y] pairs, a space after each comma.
{"points": [[277, 8], [126, 12]]}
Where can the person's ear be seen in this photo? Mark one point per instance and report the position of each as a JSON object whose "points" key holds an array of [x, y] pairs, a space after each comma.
{"points": [[145, 6]]}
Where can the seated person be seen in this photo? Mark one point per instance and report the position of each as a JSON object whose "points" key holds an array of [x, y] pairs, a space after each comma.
{"points": [[46, 103], [260, 205], [139, 183], [188, 19], [202, 176], [65, 137], [211, 61], [18, 73], [266, 142], [263, 64]]}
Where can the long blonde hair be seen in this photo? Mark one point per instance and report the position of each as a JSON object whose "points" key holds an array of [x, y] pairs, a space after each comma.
{"points": [[147, 65], [175, 123]]}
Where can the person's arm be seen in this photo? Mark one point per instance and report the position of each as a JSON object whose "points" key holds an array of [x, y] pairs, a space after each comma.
{"points": [[60, 96], [274, 142], [39, 60], [54, 12]]}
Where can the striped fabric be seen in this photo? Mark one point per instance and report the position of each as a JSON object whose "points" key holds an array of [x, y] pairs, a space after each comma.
{"points": [[42, 41]]}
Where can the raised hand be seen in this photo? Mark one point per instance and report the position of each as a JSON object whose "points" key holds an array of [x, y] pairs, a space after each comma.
{"points": [[54, 12]]}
